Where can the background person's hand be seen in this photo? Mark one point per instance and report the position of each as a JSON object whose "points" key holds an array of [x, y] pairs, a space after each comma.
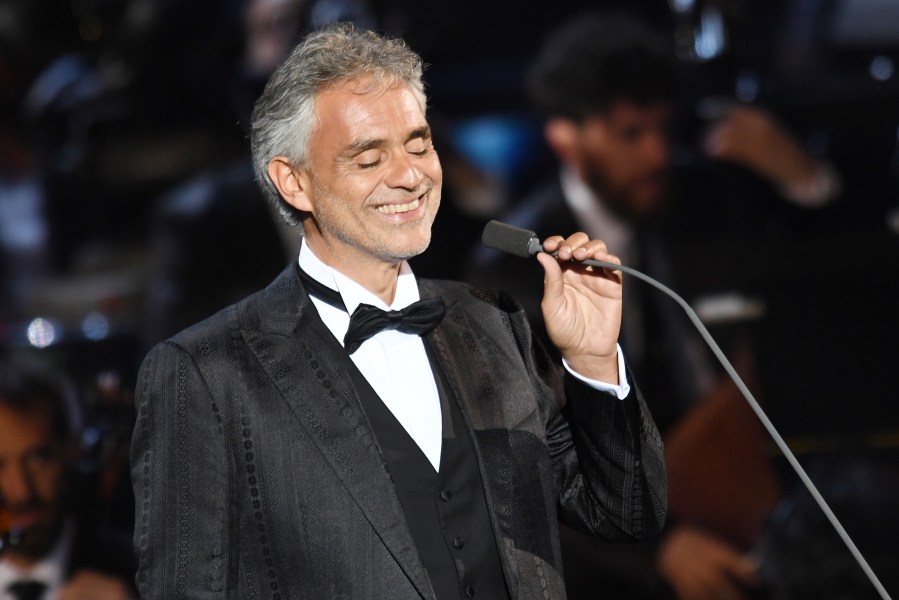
{"points": [[93, 585], [752, 138], [700, 566]]}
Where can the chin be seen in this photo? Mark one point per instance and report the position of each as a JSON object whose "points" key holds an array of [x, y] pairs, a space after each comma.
{"points": [[407, 252], [38, 540], [645, 205], [411, 242]]}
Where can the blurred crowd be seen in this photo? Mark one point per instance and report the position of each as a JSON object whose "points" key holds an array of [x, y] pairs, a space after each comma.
{"points": [[744, 153]]}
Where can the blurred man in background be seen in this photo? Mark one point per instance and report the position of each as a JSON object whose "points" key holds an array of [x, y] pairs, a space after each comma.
{"points": [[52, 554], [608, 88]]}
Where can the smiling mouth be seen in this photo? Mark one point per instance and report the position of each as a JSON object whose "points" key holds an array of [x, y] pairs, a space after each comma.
{"points": [[392, 209]]}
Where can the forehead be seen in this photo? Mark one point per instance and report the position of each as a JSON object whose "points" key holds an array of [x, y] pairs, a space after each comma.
{"points": [[361, 109], [626, 112], [24, 427]]}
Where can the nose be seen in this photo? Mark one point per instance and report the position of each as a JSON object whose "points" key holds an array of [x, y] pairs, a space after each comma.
{"points": [[16, 486], [657, 149], [404, 173]]}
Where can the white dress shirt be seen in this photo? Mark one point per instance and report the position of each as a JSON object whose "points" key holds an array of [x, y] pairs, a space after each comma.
{"points": [[50, 570], [395, 364]]}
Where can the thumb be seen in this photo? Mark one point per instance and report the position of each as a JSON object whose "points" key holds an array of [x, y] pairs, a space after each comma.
{"points": [[552, 276], [744, 568]]}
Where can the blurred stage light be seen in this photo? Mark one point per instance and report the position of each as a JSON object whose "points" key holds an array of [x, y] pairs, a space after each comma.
{"points": [[881, 68], [95, 326], [41, 333], [710, 39]]}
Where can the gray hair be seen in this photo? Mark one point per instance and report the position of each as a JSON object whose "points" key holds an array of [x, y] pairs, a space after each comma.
{"points": [[284, 119]]}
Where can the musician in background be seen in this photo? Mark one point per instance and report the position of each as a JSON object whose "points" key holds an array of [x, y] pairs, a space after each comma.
{"points": [[53, 554]]}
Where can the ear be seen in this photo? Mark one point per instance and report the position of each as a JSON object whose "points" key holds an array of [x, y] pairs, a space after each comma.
{"points": [[291, 182], [561, 134]]}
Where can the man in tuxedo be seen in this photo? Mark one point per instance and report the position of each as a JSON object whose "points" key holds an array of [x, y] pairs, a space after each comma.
{"points": [[351, 432], [50, 554]]}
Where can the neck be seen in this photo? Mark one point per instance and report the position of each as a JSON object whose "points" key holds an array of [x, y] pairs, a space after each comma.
{"points": [[377, 276], [20, 561], [26, 558]]}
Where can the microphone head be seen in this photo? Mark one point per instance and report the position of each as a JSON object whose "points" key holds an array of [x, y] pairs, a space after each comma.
{"points": [[511, 239]]}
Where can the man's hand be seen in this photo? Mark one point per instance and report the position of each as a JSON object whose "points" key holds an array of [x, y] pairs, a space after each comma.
{"points": [[700, 566], [582, 305], [752, 138], [93, 585]]}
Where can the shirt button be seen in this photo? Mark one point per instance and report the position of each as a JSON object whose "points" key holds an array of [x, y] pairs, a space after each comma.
{"points": [[469, 591], [445, 495], [458, 543]]}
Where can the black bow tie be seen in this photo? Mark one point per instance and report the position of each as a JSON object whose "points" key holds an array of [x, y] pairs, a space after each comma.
{"points": [[27, 590], [418, 318], [367, 321]]}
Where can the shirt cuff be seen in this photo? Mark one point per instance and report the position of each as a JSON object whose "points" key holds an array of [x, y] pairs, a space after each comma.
{"points": [[621, 391]]}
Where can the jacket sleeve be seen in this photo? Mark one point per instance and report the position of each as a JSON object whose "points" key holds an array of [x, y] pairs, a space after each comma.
{"points": [[606, 453], [180, 470]]}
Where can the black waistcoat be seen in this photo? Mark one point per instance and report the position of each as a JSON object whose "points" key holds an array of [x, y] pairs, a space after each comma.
{"points": [[447, 510]]}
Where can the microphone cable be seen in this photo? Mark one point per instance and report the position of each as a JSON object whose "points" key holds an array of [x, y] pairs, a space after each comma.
{"points": [[524, 243]]}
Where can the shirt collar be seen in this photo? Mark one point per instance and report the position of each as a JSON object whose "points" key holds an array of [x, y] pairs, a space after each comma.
{"points": [[351, 292], [596, 219], [49, 570]]}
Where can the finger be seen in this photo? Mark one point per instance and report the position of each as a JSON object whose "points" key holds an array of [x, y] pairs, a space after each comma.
{"points": [[564, 247], [552, 276], [743, 569], [717, 143], [598, 253], [706, 582], [721, 587], [579, 247], [552, 243], [590, 249]]}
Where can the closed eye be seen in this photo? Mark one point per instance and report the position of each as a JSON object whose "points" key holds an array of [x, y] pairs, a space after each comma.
{"points": [[368, 159], [419, 147]]}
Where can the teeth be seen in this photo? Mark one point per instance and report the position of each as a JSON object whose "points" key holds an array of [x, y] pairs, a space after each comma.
{"points": [[389, 209]]}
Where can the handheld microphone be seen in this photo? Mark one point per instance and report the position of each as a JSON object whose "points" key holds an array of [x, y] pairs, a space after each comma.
{"points": [[525, 243], [511, 239]]}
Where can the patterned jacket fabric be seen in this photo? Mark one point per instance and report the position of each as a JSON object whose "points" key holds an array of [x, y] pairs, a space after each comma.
{"points": [[257, 475]]}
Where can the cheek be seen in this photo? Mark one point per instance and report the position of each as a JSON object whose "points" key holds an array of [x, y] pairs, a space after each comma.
{"points": [[630, 162], [347, 195], [433, 170], [48, 482], [611, 163], [364, 186]]}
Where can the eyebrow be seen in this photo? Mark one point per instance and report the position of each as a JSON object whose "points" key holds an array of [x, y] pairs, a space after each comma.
{"points": [[423, 132], [360, 146]]}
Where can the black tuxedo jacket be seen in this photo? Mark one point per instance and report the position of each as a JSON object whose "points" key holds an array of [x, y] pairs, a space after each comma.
{"points": [[257, 475]]}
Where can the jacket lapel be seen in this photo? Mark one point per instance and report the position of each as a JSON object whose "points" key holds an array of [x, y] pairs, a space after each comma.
{"points": [[305, 362], [470, 356]]}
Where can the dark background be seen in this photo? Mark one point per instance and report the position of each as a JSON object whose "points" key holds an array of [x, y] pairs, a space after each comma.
{"points": [[113, 111]]}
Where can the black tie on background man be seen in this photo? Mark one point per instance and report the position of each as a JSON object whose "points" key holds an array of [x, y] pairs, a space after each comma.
{"points": [[27, 590], [270, 461]]}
